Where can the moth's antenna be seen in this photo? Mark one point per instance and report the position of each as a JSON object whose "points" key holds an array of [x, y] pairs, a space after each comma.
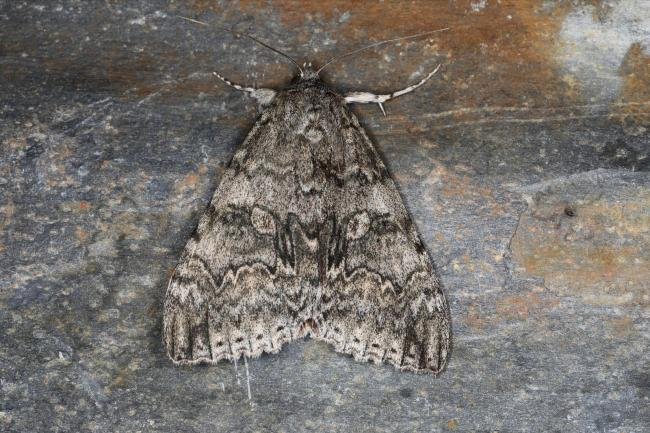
{"points": [[250, 37], [376, 44]]}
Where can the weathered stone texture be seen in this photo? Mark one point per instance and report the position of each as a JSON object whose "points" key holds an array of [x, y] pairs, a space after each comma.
{"points": [[525, 164]]}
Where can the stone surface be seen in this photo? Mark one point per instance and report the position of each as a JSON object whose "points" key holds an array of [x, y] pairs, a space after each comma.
{"points": [[525, 164]]}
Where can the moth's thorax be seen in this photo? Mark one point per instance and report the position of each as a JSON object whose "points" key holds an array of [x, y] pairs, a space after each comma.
{"points": [[314, 84], [308, 95]]}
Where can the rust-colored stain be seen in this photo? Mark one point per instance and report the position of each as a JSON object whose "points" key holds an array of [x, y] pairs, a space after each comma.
{"points": [[473, 318], [635, 94], [188, 182], [600, 253], [81, 235], [451, 184], [502, 54], [452, 424], [509, 45], [520, 307], [465, 187], [622, 327], [84, 206]]}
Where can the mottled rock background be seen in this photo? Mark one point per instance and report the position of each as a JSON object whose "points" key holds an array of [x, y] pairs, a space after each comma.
{"points": [[525, 163]]}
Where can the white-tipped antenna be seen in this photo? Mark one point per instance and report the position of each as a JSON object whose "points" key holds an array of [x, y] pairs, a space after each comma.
{"points": [[376, 44], [250, 37]]}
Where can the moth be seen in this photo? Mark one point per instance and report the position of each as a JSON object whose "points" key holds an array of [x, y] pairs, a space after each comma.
{"points": [[307, 235]]}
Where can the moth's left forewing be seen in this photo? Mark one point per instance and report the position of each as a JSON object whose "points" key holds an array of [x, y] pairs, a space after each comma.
{"points": [[383, 300]]}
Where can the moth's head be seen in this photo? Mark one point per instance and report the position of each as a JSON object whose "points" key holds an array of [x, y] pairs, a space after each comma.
{"points": [[308, 72]]}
